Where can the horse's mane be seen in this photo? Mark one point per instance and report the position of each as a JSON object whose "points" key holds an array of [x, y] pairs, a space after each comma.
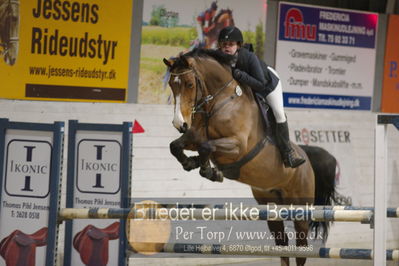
{"points": [[224, 59]]}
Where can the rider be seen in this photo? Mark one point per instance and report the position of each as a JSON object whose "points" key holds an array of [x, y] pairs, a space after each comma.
{"points": [[205, 22], [247, 69]]}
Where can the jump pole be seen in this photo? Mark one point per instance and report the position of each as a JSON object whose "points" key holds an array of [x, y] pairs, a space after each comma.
{"points": [[380, 185], [364, 216], [277, 251], [392, 212], [320, 213]]}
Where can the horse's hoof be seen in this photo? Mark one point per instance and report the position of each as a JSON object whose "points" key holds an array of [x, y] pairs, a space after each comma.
{"points": [[217, 176], [206, 172], [191, 163], [212, 174]]}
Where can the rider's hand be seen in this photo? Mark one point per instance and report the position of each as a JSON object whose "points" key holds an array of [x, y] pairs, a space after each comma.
{"points": [[237, 74]]}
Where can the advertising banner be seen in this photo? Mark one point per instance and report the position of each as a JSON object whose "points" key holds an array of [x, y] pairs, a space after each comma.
{"points": [[65, 50], [326, 56], [30, 166], [98, 177], [390, 87], [175, 26], [337, 139]]}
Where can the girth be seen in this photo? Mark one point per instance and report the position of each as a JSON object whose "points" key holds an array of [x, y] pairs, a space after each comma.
{"points": [[232, 170]]}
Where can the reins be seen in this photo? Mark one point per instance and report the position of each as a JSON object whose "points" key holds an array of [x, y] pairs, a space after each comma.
{"points": [[199, 104], [209, 98]]}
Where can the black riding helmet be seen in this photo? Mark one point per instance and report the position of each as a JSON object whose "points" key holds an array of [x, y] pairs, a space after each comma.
{"points": [[232, 34]]}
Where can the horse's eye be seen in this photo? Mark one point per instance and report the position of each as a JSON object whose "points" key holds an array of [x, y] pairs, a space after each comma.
{"points": [[190, 85]]}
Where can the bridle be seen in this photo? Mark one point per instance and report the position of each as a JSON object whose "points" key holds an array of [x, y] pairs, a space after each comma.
{"points": [[200, 103], [205, 99]]}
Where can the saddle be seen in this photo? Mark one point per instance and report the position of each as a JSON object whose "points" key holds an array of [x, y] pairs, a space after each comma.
{"points": [[269, 121]]}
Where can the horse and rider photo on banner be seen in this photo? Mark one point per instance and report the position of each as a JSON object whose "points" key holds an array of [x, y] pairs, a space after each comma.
{"points": [[9, 30], [175, 26]]}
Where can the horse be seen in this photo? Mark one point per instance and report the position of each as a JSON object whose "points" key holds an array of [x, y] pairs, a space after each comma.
{"points": [[223, 19], [9, 24], [220, 119]]}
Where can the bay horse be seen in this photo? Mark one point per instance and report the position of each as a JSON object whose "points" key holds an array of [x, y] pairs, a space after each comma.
{"points": [[223, 19], [9, 29], [221, 120]]}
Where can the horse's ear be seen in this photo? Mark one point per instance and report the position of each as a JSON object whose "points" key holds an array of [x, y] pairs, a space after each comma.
{"points": [[184, 61], [168, 63]]}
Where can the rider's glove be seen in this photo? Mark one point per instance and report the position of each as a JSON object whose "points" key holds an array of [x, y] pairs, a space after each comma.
{"points": [[237, 74]]}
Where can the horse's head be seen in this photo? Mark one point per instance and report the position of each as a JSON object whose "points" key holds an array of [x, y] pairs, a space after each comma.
{"points": [[196, 78], [183, 82], [9, 23]]}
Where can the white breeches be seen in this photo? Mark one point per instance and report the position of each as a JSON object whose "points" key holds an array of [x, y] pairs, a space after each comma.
{"points": [[275, 101], [200, 34]]}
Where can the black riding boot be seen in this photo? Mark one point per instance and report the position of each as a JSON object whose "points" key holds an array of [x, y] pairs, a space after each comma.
{"points": [[290, 157]]}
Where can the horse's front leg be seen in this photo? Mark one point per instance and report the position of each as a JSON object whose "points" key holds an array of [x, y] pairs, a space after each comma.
{"points": [[229, 147], [176, 148]]}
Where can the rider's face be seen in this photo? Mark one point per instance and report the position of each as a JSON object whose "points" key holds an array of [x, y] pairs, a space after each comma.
{"points": [[229, 47]]}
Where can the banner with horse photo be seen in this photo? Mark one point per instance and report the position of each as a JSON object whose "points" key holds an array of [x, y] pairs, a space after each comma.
{"points": [[65, 50], [175, 26]]}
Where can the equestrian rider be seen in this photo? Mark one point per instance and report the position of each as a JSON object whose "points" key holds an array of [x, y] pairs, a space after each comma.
{"points": [[247, 70], [205, 22]]}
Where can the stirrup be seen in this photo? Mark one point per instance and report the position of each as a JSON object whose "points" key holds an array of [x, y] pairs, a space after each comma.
{"points": [[291, 160]]}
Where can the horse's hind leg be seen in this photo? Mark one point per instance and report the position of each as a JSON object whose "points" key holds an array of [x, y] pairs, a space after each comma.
{"points": [[276, 228], [280, 237], [302, 229]]}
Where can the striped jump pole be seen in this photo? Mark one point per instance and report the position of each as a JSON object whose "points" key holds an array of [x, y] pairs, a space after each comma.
{"points": [[392, 212], [255, 214], [277, 251]]}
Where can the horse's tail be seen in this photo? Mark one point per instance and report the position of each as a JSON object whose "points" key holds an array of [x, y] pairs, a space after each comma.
{"points": [[324, 167]]}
